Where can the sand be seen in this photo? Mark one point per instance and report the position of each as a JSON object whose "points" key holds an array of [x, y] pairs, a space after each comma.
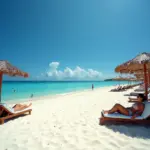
{"points": [[71, 122]]}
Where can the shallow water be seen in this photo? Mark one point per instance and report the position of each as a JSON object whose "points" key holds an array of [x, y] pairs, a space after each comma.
{"points": [[21, 90]]}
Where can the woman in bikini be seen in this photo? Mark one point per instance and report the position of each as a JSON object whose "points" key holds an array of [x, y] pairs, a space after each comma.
{"points": [[134, 111], [19, 107]]}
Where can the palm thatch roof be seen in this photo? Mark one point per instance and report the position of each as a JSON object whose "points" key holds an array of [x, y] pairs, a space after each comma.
{"points": [[8, 69], [124, 79], [135, 64]]}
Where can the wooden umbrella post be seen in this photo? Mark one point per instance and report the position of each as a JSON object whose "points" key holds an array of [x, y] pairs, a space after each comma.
{"points": [[1, 78], [149, 76], [145, 80]]}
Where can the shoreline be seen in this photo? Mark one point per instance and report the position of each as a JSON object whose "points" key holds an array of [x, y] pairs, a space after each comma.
{"points": [[51, 96], [23, 92]]}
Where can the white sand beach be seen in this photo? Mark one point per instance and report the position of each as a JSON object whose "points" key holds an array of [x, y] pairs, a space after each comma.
{"points": [[71, 122]]}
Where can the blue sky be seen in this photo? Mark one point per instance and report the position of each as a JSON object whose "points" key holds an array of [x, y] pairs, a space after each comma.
{"points": [[89, 34]]}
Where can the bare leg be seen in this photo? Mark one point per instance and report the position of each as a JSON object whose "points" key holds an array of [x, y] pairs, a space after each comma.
{"points": [[118, 108], [1, 112], [19, 107]]}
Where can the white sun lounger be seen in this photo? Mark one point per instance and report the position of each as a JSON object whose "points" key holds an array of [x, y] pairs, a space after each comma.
{"points": [[133, 99], [141, 89], [10, 113], [136, 93], [117, 118], [145, 114]]}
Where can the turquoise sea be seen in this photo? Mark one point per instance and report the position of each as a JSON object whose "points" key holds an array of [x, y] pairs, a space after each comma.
{"points": [[21, 90]]}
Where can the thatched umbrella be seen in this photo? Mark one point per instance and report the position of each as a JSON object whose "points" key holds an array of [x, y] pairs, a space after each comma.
{"points": [[125, 70], [129, 79], [141, 75], [118, 79], [8, 69], [140, 62]]}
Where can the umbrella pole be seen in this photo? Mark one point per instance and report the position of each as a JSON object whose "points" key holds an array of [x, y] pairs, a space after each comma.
{"points": [[145, 80], [149, 77], [1, 78]]}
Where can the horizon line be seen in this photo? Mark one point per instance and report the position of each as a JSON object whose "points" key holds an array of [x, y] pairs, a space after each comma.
{"points": [[52, 80]]}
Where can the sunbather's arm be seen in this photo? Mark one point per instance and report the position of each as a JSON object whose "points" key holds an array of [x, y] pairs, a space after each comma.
{"points": [[1, 112], [136, 114]]}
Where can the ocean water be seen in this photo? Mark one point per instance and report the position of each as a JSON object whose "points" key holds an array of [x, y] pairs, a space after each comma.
{"points": [[24, 90]]}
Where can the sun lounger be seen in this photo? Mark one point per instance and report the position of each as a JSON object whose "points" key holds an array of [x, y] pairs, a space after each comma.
{"points": [[115, 90], [7, 113], [119, 89], [137, 93], [141, 90], [134, 93], [133, 99], [117, 118]]}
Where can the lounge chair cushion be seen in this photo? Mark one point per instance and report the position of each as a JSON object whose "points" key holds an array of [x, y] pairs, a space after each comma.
{"points": [[138, 92], [135, 97], [141, 89], [117, 115], [145, 114]]}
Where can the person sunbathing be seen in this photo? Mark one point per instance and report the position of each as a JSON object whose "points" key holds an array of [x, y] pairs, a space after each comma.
{"points": [[117, 89], [19, 107], [134, 111]]}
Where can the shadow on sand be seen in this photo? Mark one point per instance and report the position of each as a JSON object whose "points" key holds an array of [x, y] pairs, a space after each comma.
{"points": [[131, 130], [11, 119]]}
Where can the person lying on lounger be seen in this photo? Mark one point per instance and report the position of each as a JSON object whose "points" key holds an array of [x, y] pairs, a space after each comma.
{"points": [[118, 88], [19, 107], [134, 111]]}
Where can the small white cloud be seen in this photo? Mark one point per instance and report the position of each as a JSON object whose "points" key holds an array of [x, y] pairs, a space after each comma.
{"points": [[72, 74], [54, 65]]}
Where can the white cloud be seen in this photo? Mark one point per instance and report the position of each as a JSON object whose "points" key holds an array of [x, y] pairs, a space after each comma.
{"points": [[72, 74], [54, 65]]}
